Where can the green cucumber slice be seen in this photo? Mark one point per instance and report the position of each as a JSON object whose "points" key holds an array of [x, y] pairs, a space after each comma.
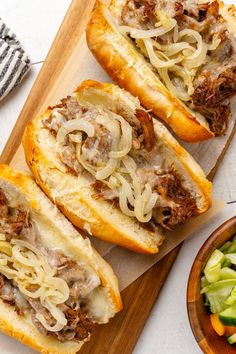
{"points": [[228, 316], [232, 248], [226, 263], [232, 339], [204, 282], [231, 257], [213, 266], [226, 246]]}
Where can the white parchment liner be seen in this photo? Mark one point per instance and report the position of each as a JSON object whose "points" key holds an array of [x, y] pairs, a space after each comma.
{"points": [[129, 265]]}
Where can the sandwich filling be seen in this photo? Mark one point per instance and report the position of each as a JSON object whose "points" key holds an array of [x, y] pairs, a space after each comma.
{"points": [[190, 49], [44, 283], [123, 159]]}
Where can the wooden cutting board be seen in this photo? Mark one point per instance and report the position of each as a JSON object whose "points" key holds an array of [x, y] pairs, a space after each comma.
{"points": [[55, 80]]}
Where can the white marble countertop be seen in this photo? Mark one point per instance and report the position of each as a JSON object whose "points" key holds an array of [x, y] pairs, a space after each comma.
{"points": [[167, 330]]}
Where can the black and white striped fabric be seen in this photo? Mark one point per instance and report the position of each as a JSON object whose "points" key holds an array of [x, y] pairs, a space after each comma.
{"points": [[14, 63]]}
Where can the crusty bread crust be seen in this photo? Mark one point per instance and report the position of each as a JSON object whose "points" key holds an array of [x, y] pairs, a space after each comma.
{"points": [[61, 233], [128, 68], [24, 331], [73, 195]]}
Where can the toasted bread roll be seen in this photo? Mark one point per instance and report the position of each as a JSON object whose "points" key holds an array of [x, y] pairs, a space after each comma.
{"points": [[54, 287], [72, 150], [195, 106]]}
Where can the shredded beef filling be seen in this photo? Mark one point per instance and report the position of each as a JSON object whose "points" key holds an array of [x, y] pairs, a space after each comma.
{"points": [[12, 221], [6, 290], [211, 98], [177, 204], [170, 185], [147, 129], [16, 223], [78, 326], [215, 82]]}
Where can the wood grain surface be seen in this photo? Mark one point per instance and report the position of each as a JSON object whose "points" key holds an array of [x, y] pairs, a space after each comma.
{"points": [[55, 81], [206, 337], [60, 52]]}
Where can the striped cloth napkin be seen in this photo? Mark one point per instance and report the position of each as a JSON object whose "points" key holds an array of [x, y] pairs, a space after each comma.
{"points": [[14, 63]]}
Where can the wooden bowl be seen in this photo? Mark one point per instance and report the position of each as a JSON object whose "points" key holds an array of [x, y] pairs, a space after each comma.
{"points": [[209, 341]]}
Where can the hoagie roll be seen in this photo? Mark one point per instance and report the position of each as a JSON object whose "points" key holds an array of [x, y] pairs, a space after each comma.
{"points": [[178, 57], [54, 287], [113, 170]]}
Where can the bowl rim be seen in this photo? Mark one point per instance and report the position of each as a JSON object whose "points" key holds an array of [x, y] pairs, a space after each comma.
{"points": [[193, 293]]}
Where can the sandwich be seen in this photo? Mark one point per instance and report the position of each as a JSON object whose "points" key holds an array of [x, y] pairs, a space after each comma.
{"points": [[54, 287], [112, 169], [178, 57]]}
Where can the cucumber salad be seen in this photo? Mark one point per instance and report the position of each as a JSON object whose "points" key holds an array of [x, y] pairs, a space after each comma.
{"points": [[218, 284]]}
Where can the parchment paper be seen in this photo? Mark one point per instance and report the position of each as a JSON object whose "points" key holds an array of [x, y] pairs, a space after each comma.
{"points": [[128, 265]]}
